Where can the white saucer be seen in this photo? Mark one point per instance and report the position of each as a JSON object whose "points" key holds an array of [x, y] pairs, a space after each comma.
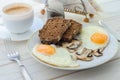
{"points": [[4, 33]]}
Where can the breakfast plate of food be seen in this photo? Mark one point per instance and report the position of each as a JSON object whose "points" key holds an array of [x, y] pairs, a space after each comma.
{"points": [[68, 45]]}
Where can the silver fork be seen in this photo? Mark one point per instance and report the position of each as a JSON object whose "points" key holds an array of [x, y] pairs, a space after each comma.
{"points": [[14, 56]]}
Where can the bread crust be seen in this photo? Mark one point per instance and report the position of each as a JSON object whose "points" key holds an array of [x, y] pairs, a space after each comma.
{"points": [[53, 30], [72, 31], [58, 30]]}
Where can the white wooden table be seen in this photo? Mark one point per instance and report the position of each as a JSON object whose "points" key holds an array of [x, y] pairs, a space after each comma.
{"points": [[10, 71]]}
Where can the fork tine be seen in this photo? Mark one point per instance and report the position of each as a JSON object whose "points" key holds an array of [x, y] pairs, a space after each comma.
{"points": [[7, 44], [14, 56]]}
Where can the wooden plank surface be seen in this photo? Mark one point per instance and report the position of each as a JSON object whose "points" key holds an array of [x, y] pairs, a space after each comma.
{"points": [[109, 71], [10, 71], [37, 70]]}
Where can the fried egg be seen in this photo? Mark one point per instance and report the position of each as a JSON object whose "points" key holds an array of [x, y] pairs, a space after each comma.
{"points": [[54, 55], [94, 37]]}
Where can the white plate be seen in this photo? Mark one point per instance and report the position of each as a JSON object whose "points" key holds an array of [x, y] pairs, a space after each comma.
{"points": [[37, 24], [108, 54]]}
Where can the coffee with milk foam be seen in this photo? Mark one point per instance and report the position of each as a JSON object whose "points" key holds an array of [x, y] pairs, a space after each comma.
{"points": [[17, 10]]}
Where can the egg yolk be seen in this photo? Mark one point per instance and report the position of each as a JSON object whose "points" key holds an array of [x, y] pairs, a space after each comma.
{"points": [[46, 49], [99, 38]]}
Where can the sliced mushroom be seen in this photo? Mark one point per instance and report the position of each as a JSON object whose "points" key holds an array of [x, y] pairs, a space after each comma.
{"points": [[98, 52], [102, 49], [81, 50], [86, 55], [73, 46], [71, 50]]}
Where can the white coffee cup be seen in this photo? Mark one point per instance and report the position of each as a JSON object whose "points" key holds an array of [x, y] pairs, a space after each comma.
{"points": [[18, 17]]}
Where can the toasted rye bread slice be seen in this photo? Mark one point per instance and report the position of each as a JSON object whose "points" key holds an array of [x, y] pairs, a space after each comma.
{"points": [[72, 31], [53, 30]]}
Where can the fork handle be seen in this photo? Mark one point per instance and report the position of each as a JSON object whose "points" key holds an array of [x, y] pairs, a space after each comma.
{"points": [[25, 72]]}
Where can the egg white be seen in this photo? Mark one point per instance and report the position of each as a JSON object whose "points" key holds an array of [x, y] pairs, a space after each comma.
{"points": [[86, 34], [61, 57]]}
